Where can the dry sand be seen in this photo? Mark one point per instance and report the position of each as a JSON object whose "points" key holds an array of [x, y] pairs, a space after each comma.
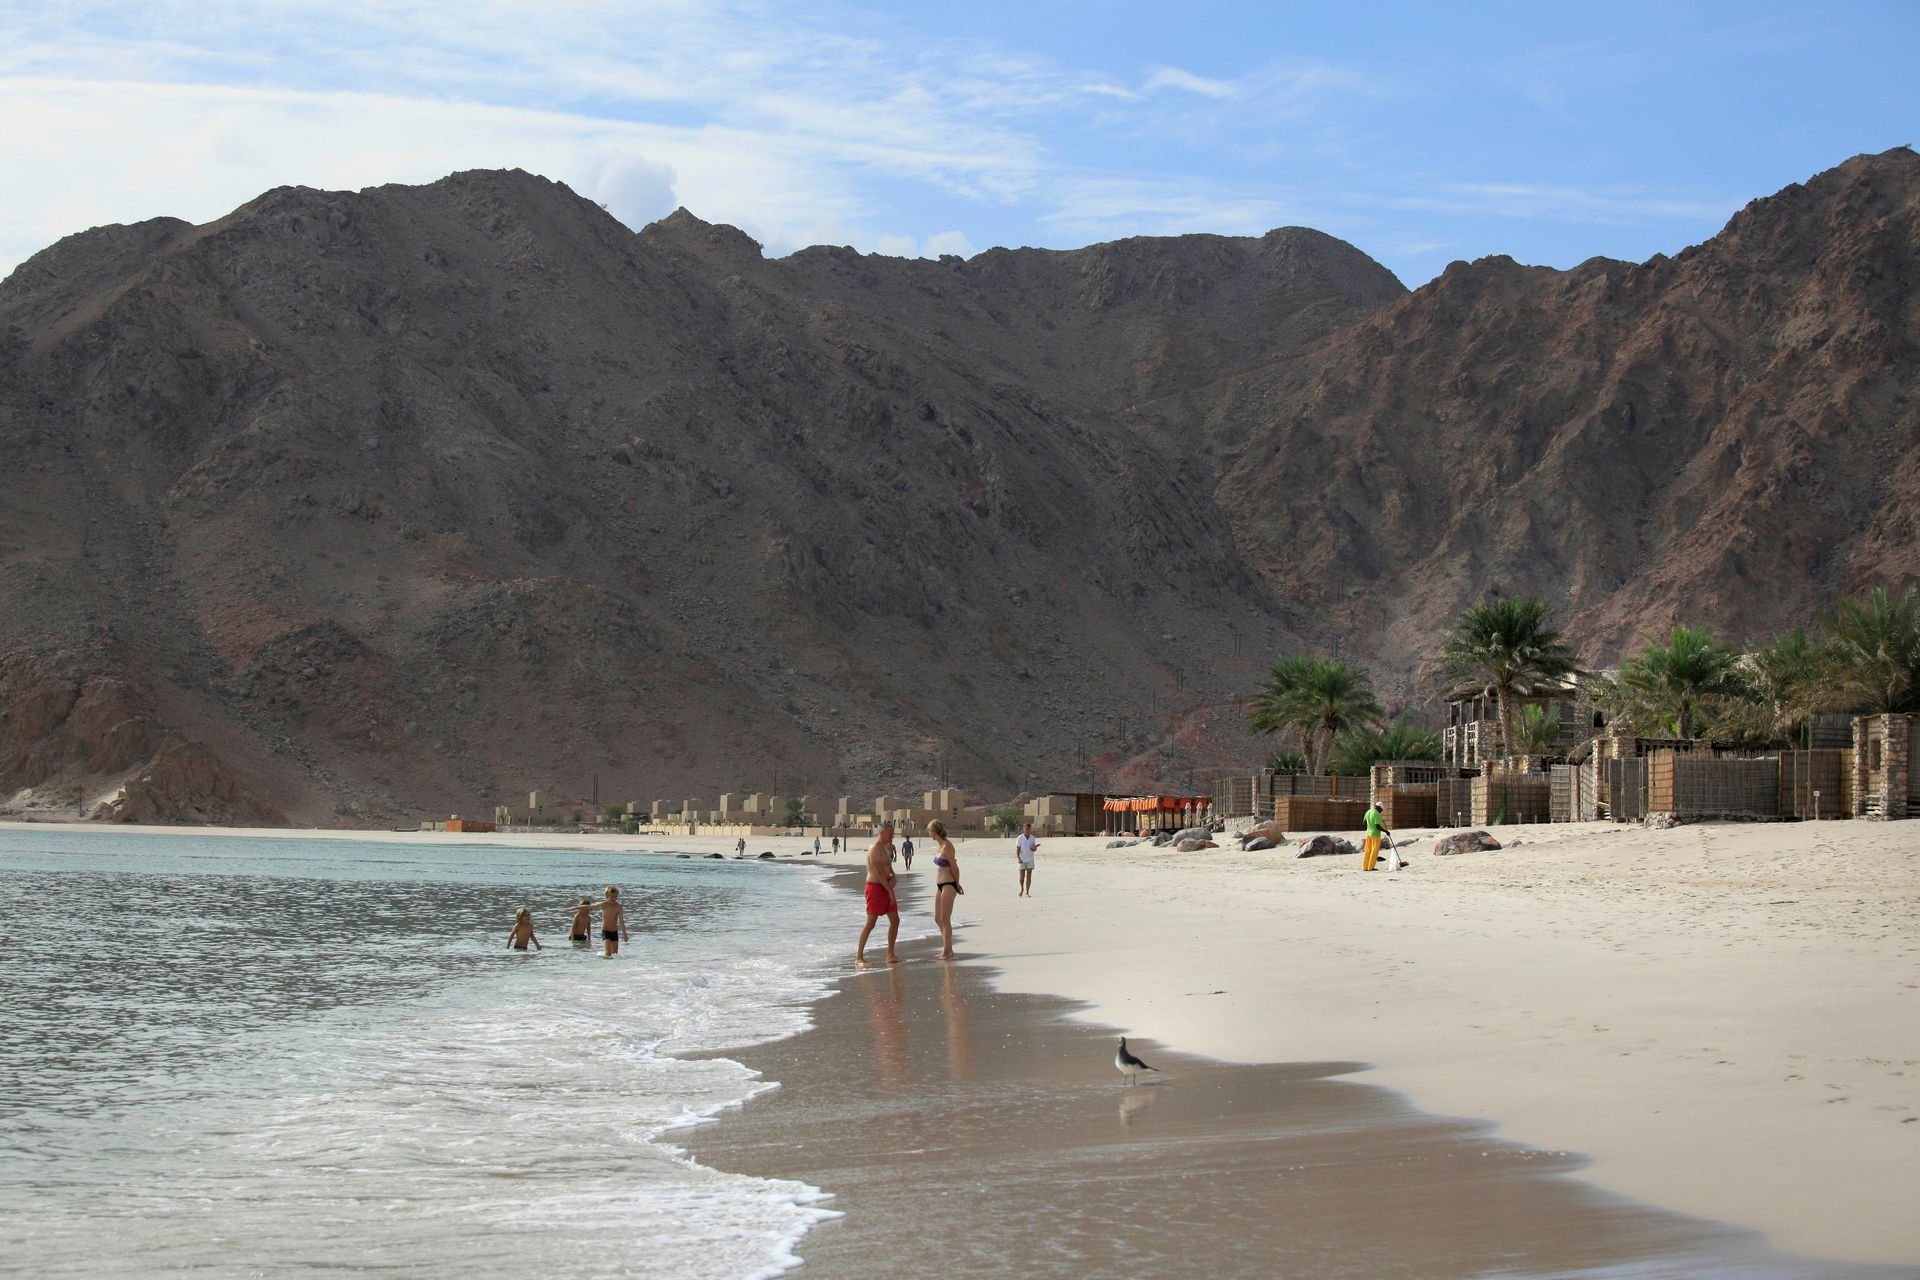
{"points": [[1726, 1017]]}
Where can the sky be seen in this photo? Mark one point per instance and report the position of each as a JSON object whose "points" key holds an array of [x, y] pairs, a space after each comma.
{"points": [[1420, 132]]}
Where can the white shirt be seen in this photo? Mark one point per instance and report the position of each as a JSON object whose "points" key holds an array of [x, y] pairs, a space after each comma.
{"points": [[1024, 847]]}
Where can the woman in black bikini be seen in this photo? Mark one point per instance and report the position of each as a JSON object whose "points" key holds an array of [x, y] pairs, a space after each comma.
{"points": [[946, 875]]}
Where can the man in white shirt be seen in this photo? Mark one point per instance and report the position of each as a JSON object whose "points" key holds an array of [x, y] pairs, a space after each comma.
{"points": [[1023, 853]]}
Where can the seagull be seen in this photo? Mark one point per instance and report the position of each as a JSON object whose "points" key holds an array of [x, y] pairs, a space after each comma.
{"points": [[1128, 1065]]}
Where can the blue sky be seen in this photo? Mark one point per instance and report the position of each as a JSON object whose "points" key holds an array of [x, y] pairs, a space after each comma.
{"points": [[1420, 132]]}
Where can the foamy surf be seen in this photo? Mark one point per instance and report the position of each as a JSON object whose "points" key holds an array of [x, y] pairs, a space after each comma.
{"points": [[422, 1104]]}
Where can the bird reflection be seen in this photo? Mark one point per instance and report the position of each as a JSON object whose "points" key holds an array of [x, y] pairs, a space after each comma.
{"points": [[1133, 1103]]}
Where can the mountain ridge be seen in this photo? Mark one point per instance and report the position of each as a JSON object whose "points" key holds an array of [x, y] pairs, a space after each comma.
{"points": [[351, 506]]}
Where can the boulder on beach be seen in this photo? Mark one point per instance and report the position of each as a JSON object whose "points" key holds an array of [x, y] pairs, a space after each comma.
{"points": [[721, 856], [1662, 821], [1121, 844], [1193, 833], [1268, 830], [1193, 844], [1465, 842], [1325, 847], [766, 855], [1257, 844]]}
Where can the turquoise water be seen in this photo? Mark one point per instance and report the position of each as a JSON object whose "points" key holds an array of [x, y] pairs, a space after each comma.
{"points": [[239, 1057]]}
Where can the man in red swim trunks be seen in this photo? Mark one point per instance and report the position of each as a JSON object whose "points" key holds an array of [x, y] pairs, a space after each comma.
{"points": [[880, 899]]}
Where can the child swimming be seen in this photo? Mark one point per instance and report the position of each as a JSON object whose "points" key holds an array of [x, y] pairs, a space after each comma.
{"points": [[522, 932]]}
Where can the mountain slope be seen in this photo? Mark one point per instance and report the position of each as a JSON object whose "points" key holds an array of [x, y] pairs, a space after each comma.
{"points": [[417, 497], [1730, 435], [350, 507]]}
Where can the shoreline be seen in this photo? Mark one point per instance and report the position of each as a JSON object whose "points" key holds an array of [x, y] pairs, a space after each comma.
{"points": [[1720, 1016], [949, 1119]]}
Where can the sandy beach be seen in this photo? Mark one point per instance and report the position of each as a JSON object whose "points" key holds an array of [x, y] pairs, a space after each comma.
{"points": [[982, 1132], [1726, 1018], [1722, 1017]]}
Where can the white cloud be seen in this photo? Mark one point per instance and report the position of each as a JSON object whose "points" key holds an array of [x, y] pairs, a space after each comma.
{"points": [[945, 242], [1176, 78], [1575, 204], [633, 189]]}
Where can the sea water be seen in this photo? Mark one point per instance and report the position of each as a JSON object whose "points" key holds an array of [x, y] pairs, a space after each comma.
{"points": [[229, 1056]]}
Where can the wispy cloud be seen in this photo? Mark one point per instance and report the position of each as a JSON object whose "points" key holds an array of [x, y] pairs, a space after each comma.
{"points": [[1176, 78], [1577, 204], [852, 128]]}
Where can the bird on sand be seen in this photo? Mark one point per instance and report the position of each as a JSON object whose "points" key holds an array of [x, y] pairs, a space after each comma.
{"points": [[1128, 1065]]}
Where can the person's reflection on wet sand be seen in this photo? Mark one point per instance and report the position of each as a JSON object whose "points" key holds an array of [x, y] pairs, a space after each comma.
{"points": [[959, 1037], [885, 1001]]}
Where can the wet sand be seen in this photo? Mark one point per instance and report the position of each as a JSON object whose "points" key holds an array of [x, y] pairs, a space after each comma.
{"points": [[976, 1133]]}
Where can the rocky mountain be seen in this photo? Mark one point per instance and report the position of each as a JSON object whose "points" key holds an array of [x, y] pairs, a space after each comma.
{"points": [[1730, 435], [351, 507]]}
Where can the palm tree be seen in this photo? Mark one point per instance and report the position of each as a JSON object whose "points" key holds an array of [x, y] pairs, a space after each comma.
{"points": [[1674, 680], [1876, 649], [1332, 696], [1505, 648], [1314, 698], [1536, 731], [1276, 707], [1287, 762], [1791, 677], [1357, 750]]}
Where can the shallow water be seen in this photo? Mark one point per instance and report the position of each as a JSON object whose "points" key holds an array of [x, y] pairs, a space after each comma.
{"points": [[243, 1057]]}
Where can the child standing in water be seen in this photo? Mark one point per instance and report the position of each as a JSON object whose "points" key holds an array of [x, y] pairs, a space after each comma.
{"points": [[613, 921], [582, 922], [522, 932]]}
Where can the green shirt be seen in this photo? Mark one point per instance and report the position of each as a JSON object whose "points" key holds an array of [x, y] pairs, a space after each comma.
{"points": [[1376, 821]]}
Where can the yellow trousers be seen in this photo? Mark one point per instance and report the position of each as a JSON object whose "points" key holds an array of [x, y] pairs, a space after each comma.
{"points": [[1371, 853]]}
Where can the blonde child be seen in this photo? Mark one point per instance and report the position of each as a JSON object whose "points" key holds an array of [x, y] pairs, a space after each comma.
{"points": [[522, 932]]}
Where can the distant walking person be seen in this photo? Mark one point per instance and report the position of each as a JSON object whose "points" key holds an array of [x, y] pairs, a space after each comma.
{"points": [[1376, 827], [740, 848], [1023, 849], [880, 896], [816, 846], [906, 852], [946, 884]]}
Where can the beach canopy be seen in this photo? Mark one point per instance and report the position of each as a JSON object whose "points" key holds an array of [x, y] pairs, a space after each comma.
{"points": [[1154, 804]]}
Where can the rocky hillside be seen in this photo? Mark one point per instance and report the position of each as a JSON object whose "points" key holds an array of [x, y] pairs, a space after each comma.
{"points": [[1731, 435], [357, 507]]}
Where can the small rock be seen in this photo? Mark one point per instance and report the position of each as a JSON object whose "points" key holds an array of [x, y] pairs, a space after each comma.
{"points": [[1325, 847], [1465, 842], [1662, 821], [1121, 844]]}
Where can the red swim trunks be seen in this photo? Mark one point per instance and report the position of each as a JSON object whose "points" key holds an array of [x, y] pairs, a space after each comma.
{"points": [[879, 899]]}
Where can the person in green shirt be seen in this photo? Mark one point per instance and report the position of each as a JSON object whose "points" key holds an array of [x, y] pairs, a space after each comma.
{"points": [[1376, 827]]}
